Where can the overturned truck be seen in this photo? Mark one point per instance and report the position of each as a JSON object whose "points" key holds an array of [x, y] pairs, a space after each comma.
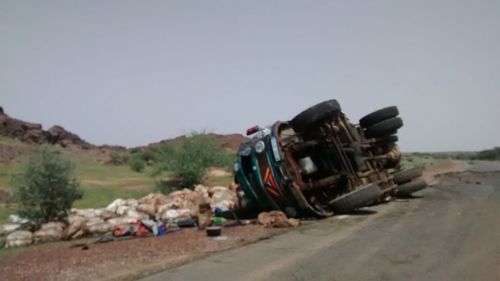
{"points": [[320, 164]]}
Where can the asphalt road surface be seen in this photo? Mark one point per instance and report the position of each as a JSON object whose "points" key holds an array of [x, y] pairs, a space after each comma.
{"points": [[449, 232]]}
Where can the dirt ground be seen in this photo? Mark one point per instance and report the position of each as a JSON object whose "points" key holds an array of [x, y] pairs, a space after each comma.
{"points": [[123, 260], [442, 167]]}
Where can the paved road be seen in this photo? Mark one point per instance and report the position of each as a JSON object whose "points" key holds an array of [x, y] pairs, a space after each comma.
{"points": [[452, 232]]}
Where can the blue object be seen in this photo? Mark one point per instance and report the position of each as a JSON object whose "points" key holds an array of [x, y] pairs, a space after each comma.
{"points": [[161, 230]]}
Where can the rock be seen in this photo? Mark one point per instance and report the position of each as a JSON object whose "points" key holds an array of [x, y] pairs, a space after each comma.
{"points": [[155, 199], [136, 215], [8, 228], [276, 219], [132, 203], [52, 231], [58, 135], [223, 205], [115, 204], [203, 191], [106, 214], [122, 210], [188, 199], [19, 238], [75, 230], [86, 213], [214, 189], [174, 204], [34, 133], [98, 226], [14, 218], [224, 199], [119, 221], [147, 209], [176, 214], [74, 218]]}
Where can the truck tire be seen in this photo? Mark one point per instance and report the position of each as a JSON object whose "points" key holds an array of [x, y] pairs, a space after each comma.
{"points": [[408, 188], [356, 199], [378, 116], [387, 140], [315, 114], [383, 128], [407, 175]]}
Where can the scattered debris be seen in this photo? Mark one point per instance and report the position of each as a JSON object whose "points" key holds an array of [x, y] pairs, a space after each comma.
{"points": [[220, 238], [152, 215], [276, 219], [213, 231]]}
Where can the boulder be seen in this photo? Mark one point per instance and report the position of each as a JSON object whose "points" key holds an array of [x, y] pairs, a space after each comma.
{"points": [[187, 199], [122, 210], [115, 204], [224, 199], [52, 231], [8, 228], [154, 199], [119, 221], [136, 215], [86, 213], [98, 226], [75, 218], [149, 209], [19, 238], [203, 191], [14, 218], [214, 189], [178, 214], [106, 214], [75, 230]]}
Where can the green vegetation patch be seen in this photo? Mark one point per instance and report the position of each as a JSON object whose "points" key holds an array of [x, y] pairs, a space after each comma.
{"points": [[9, 141]]}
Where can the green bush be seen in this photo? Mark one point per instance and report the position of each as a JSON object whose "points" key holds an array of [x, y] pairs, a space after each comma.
{"points": [[45, 187], [118, 158], [136, 163], [188, 161], [489, 154]]}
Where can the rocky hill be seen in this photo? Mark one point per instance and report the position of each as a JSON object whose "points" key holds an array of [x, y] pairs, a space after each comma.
{"points": [[34, 133]]}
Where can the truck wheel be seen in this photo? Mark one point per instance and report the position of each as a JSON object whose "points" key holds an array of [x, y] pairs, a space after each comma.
{"points": [[387, 140], [378, 116], [407, 175], [388, 126], [408, 188], [355, 199], [315, 114]]}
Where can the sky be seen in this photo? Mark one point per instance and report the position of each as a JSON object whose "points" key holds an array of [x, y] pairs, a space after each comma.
{"points": [[135, 72]]}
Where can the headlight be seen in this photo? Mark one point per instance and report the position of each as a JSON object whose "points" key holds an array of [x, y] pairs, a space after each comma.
{"points": [[245, 150], [260, 146], [236, 167]]}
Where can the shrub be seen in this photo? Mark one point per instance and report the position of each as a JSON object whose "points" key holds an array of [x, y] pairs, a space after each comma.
{"points": [[188, 161], [117, 158], [136, 164], [489, 154], [45, 187]]}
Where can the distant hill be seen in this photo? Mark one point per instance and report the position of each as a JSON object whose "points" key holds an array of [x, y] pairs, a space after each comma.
{"points": [[229, 141], [33, 133]]}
